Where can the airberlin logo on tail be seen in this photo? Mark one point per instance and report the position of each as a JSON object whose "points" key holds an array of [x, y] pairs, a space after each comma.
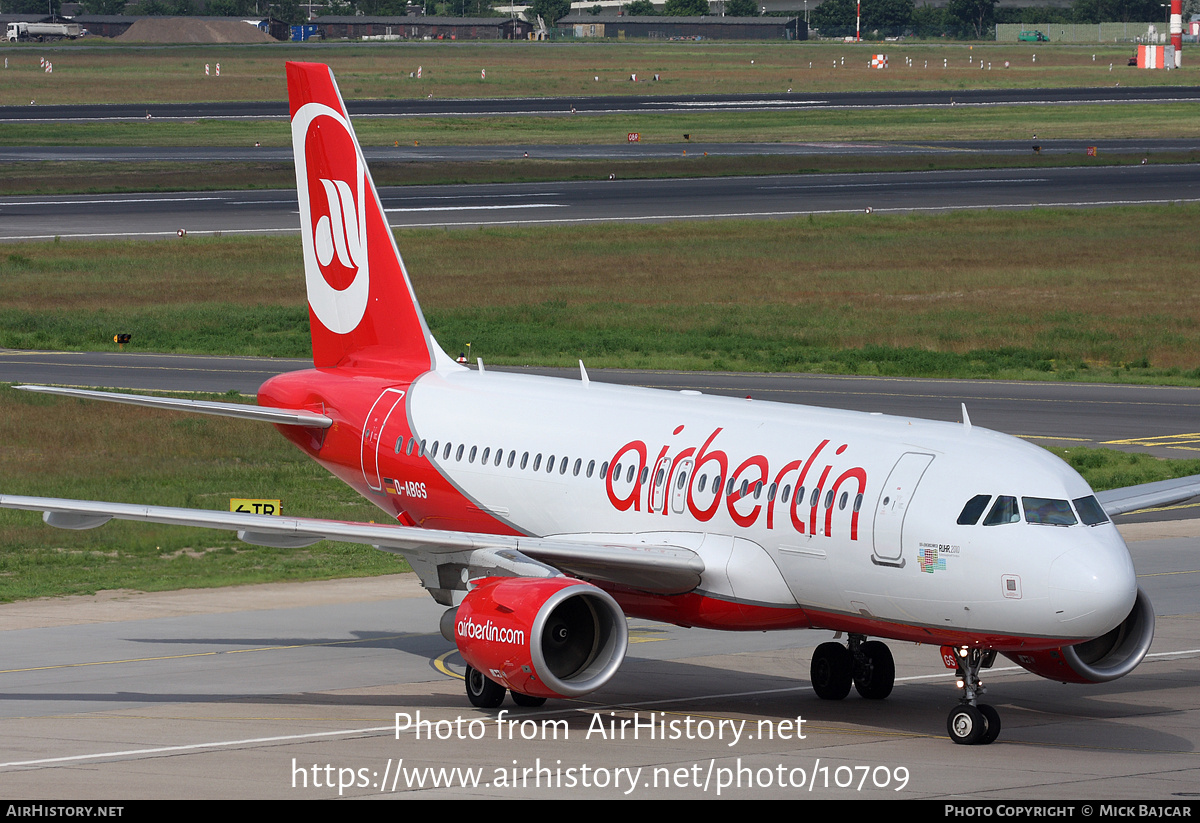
{"points": [[337, 232], [331, 185]]}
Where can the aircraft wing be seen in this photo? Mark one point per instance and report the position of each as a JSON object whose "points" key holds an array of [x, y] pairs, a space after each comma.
{"points": [[1147, 495], [659, 569]]}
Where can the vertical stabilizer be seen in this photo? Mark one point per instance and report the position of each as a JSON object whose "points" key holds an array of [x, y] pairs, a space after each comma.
{"points": [[361, 304]]}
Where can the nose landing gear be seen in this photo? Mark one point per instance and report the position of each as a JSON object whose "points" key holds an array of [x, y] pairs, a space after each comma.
{"points": [[973, 723]]}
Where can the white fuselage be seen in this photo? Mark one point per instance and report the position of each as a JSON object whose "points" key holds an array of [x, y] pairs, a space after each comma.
{"points": [[532, 452]]}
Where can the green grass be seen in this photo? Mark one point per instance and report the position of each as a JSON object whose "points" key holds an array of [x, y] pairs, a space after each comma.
{"points": [[1016, 122], [1042, 294], [53, 446]]}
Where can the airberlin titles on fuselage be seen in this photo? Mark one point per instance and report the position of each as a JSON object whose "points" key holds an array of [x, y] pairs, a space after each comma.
{"points": [[803, 494]]}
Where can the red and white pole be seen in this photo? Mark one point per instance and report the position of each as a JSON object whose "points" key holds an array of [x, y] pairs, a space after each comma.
{"points": [[1177, 29], [858, 20]]}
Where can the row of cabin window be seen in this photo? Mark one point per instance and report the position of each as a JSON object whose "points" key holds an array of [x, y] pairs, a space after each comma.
{"points": [[410, 445], [487, 456]]}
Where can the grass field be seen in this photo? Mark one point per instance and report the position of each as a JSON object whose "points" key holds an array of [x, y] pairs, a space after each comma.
{"points": [[1048, 294], [1084, 122], [93, 451], [119, 74]]}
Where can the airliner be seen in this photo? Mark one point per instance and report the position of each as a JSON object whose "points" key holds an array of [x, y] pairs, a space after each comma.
{"points": [[544, 512]]}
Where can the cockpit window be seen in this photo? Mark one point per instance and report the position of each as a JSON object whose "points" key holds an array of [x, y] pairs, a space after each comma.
{"points": [[1090, 511], [974, 508], [1004, 510], [1044, 511]]}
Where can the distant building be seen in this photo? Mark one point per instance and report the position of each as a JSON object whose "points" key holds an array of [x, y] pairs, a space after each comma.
{"points": [[419, 27], [683, 28]]}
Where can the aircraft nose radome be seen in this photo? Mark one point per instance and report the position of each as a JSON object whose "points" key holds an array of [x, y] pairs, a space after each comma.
{"points": [[1092, 588]]}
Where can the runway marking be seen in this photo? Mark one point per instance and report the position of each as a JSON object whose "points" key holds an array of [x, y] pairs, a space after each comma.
{"points": [[480, 208], [109, 202], [1054, 437], [1168, 440], [1161, 509], [897, 183]]}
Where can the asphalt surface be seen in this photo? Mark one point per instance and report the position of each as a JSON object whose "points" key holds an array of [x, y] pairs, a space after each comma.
{"points": [[618, 151], [292, 692], [274, 211], [611, 104]]}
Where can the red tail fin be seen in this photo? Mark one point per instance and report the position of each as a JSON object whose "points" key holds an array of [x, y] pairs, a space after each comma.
{"points": [[361, 304]]}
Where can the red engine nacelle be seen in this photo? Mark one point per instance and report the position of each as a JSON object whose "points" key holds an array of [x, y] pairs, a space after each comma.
{"points": [[544, 637], [1105, 658]]}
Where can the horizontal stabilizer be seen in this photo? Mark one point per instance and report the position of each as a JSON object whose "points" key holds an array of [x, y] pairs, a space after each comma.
{"points": [[1149, 495], [281, 417]]}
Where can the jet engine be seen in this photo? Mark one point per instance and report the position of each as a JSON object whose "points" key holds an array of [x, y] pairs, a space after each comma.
{"points": [[1105, 658], [541, 637]]}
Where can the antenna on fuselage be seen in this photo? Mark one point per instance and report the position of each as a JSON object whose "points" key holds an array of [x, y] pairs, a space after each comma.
{"points": [[966, 417], [583, 374]]}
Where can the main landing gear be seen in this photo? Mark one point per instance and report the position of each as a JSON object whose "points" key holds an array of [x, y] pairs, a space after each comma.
{"points": [[485, 693], [972, 723], [867, 664]]}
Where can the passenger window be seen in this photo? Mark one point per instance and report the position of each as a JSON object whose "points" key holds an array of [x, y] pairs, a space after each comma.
{"points": [[411, 445], [549, 464], [787, 490], [1090, 511], [842, 501], [578, 465], [1004, 510], [604, 469], [974, 508], [486, 454], [458, 454], [499, 455], [591, 467], [537, 461], [512, 456], [399, 444], [1045, 511], [524, 460]]}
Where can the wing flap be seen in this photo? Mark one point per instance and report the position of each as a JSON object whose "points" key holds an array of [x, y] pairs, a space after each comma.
{"points": [[282, 417], [659, 569], [1149, 495]]}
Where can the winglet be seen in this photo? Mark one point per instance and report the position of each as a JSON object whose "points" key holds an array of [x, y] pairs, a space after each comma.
{"points": [[966, 418]]}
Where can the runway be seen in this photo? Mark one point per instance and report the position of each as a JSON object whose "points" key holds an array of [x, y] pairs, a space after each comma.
{"points": [[601, 201], [610, 104]]}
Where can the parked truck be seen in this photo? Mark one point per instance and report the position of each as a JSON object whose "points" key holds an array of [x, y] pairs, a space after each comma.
{"points": [[43, 31]]}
